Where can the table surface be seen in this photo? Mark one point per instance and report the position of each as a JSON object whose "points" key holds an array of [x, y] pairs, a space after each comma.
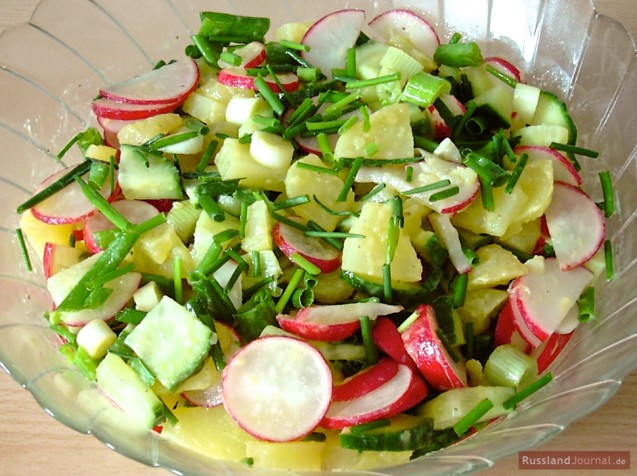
{"points": [[33, 442]]}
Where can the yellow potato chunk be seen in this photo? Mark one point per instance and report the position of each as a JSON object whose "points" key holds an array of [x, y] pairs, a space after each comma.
{"points": [[496, 267], [143, 130]]}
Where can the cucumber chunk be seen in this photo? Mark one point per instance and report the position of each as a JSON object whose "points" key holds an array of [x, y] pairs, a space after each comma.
{"points": [[145, 175], [127, 389], [404, 433], [171, 342]]}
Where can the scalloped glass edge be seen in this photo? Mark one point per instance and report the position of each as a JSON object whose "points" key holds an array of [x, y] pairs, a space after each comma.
{"points": [[586, 375]]}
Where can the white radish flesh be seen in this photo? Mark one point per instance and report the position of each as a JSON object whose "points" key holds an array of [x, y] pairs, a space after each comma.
{"points": [[345, 313], [238, 78], [445, 230], [290, 241], [404, 23], [109, 109], [563, 169], [277, 388], [330, 37], [576, 225], [252, 55]]}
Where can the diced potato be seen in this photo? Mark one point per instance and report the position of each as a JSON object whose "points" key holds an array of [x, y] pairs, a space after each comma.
{"points": [[525, 237], [326, 187], [258, 228], [366, 256], [96, 338], [234, 161], [143, 130], [496, 267], [205, 230], [220, 92], [337, 457], [288, 455], [480, 305], [37, 233], [240, 109], [204, 108], [293, 31], [331, 289], [156, 252], [389, 130], [536, 180], [100, 152], [147, 297], [413, 213]]}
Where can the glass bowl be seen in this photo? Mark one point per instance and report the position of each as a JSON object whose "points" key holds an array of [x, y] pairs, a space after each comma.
{"points": [[53, 66]]}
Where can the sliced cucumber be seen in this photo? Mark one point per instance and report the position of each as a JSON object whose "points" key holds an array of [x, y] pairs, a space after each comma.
{"points": [[551, 111], [402, 292], [145, 175], [404, 433], [497, 103], [171, 342], [126, 388]]}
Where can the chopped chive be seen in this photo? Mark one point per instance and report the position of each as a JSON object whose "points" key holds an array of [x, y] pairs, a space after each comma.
{"points": [[56, 186], [387, 290], [291, 202], [363, 83], [344, 161], [459, 286], [305, 264], [269, 96], [302, 112], [317, 168], [329, 237], [287, 221], [447, 345], [586, 304], [515, 175], [393, 233], [166, 141], [372, 425], [607, 190], [289, 290], [112, 167], [111, 275], [486, 193], [428, 188], [243, 214], [505, 78], [278, 83], [212, 255], [330, 211], [115, 217], [293, 45], [149, 224], [528, 390], [331, 234], [350, 62], [472, 417], [206, 48], [256, 263], [377, 189], [496, 140], [504, 142], [212, 208], [574, 150], [446, 193], [408, 322], [340, 104], [409, 173], [236, 274], [225, 235], [608, 257], [426, 144], [325, 125], [455, 38], [23, 249], [258, 286], [371, 352], [465, 118], [371, 149], [230, 58], [129, 315], [327, 156], [365, 113], [349, 180], [468, 333], [348, 124], [178, 279]]}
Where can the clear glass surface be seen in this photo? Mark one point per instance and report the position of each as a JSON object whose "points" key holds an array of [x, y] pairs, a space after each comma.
{"points": [[53, 66]]}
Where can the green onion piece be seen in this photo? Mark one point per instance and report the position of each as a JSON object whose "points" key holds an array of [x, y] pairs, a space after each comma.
{"points": [[149, 224], [178, 279], [486, 193], [302, 112], [289, 290], [212, 208], [464, 119], [350, 62], [305, 264], [330, 211], [393, 233], [408, 322], [243, 215], [370, 149], [258, 286], [377, 189], [527, 391], [515, 175], [23, 249], [293, 45], [236, 274], [98, 174], [115, 217], [340, 104], [459, 55], [207, 155], [504, 142], [472, 417], [56, 186], [505, 78], [387, 290], [364, 83], [409, 173], [332, 239], [173, 139], [608, 193], [459, 287], [325, 125], [291, 202], [331, 234], [574, 150], [111, 275], [428, 188], [269, 96], [85, 364], [90, 136], [426, 144], [365, 113], [446, 193], [303, 297], [129, 315], [244, 28], [586, 304], [325, 147], [230, 58], [508, 366], [225, 235], [349, 123], [455, 38], [308, 75], [372, 425], [349, 180], [608, 257], [371, 352], [209, 51], [422, 89], [317, 168]]}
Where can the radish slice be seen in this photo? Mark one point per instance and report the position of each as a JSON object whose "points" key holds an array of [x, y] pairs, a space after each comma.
{"points": [[57, 257], [365, 381], [252, 55], [277, 388], [550, 349], [123, 289], [135, 211], [238, 78], [207, 398], [316, 331], [505, 332], [290, 241], [563, 170], [576, 226], [387, 338], [441, 128], [169, 84], [397, 23], [505, 67], [542, 298], [109, 109], [453, 104], [345, 313], [425, 348], [442, 226], [111, 128], [330, 37], [398, 394], [69, 205]]}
